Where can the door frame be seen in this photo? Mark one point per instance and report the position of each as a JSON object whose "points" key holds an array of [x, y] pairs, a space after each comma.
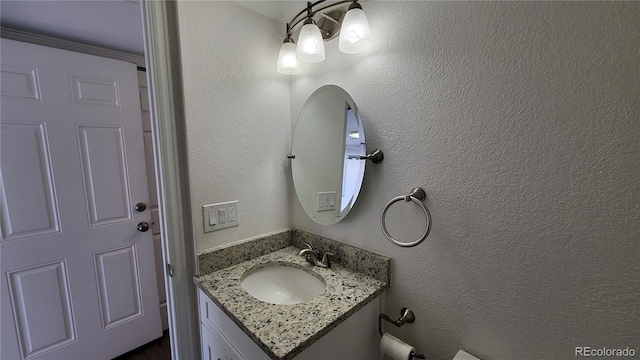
{"points": [[162, 51]]}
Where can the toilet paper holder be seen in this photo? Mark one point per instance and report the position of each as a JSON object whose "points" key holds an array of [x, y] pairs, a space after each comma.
{"points": [[406, 316]]}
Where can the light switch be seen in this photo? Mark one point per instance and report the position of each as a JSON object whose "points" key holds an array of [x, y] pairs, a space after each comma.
{"points": [[220, 216]]}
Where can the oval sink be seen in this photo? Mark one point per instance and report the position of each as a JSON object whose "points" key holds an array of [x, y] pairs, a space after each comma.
{"points": [[280, 284]]}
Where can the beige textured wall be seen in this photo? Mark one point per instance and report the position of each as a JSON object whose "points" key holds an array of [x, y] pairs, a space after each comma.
{"points": [[520, 119], [238, 122], [522, 122]]}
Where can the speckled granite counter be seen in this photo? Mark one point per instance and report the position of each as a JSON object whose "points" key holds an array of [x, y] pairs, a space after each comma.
{"points": [[284, 331]]}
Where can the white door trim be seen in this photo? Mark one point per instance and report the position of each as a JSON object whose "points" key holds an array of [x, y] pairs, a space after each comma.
{"points": [[169, 146], [37, 39]]}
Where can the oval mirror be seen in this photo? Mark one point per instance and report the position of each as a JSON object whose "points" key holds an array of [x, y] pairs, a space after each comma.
{"points": [[328, 142]]}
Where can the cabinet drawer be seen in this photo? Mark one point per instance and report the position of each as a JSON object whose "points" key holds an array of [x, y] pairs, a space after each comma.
{"points": [[211, 349], [208, 313], [217, 322]]}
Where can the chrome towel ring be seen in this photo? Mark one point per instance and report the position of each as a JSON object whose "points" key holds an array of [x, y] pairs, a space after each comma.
{"points": [[417, 195]]}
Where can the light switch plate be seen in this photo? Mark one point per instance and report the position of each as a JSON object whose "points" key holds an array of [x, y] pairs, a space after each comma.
{"points": [[225, 215], [326, 201]]}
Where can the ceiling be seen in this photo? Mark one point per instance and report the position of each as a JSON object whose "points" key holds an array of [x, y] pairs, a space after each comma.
{"points": [[115, 24], [111, 24], [282, 11]]}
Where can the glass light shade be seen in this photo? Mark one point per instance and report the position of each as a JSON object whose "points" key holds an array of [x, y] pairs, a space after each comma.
{"points": [[355, 32], [310, 47], [288, 63]]}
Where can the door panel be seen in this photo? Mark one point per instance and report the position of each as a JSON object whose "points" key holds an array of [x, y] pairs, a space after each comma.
{"points": [[104, 169], [118, 286], [42, 326], [72, 169], [95, 91], [29, 205], [19, 83]]}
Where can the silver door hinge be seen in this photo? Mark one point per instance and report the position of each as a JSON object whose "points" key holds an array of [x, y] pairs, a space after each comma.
{"points": [[169, 270]]}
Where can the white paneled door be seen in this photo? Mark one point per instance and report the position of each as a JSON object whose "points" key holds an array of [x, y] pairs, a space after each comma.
{"points": [[78, 275]]}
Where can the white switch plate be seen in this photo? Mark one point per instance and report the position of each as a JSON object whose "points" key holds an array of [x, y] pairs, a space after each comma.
{"points": [[326, 200], [225, 215]]}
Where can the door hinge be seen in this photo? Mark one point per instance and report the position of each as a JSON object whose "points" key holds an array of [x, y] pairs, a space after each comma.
{"points": [[169, 270]]}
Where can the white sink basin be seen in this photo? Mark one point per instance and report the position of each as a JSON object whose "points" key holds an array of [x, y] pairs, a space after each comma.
{"points": [[279, 284]]}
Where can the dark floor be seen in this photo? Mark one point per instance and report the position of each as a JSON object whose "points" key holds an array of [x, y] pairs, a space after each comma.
{"points": [[159, 349]]}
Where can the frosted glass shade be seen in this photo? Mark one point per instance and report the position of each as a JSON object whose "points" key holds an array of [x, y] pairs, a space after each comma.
{"points": [[288, 63], [310, 47], [355, 32]]}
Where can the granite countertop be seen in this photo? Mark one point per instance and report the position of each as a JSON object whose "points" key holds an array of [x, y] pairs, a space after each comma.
{"points": [[284, 331]]}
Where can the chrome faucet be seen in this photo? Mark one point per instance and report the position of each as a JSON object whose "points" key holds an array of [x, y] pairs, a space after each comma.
{"points": [[312, 257]]}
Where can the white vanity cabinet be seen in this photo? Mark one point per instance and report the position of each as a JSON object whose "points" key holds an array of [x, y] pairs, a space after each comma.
{"points": [[221, 338], [355, 338], [212, 349]]}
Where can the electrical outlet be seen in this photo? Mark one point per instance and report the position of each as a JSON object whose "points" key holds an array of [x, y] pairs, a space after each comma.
{"points": [[220, 216], [231, 213]]}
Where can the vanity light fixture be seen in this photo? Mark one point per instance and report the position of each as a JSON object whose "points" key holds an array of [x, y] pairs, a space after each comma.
{"points": [[323, 24], [355, 32], [310, 43], [288, 63]]}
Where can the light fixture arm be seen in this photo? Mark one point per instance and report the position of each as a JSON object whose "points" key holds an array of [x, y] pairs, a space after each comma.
{"points": [[309, 9], [355, 5], [308, 13], [303, 15], [288, 38]]}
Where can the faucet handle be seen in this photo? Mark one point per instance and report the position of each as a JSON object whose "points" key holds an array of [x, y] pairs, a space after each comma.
{"points": [[325, 259]]}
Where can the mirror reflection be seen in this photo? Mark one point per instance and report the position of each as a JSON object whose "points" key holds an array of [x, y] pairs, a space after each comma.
{"points": [[328, 143]]}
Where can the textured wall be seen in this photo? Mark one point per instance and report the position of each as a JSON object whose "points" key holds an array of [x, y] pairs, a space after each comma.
{"points": [[238, 122], [522, 122]]}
